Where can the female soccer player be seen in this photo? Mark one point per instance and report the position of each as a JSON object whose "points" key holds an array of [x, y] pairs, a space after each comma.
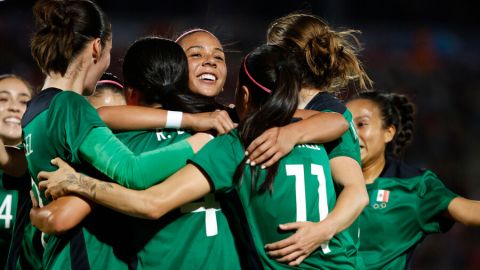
{"points": [[258, 199], [108, 92], [207, 76], [72, 47], [15, 203], [406, 203], [329, 62], [206, 61]]}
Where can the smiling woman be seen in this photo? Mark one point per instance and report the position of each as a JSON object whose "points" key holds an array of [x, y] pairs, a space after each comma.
{"points": [[206, 62], [14, 95]]}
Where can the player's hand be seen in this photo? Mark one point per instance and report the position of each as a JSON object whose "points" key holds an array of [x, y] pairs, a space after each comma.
{"points": [[217, 120], [294, 249], [57, 183], [270, 147]]}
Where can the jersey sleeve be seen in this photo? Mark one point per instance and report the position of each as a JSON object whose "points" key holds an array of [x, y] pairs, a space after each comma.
{"points": [[218, 161], [83, 136], [433, 199], [71, 119], [109, 155], [348, 144]]}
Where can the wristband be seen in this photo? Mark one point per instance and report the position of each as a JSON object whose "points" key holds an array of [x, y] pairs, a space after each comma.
{"points": [[174, 119]]}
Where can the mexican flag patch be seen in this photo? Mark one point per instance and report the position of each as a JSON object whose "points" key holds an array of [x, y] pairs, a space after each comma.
{"points": [[382, 195]]}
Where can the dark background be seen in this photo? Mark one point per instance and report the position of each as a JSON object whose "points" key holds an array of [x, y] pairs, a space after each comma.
{"points": [[426, 49]]}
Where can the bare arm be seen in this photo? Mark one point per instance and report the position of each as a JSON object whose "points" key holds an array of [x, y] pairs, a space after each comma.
{"points": [[137, 118], [60, 215], [186, 185], [354, 197], [275, 143], [465, 211], [309, 235], [12, 160]]}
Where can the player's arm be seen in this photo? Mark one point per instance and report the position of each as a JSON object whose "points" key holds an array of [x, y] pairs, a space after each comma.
{"points": [[310, 235], [138, 118], [186, 185], [60, 215], [465, 211], [107, 154], [316, 127]]}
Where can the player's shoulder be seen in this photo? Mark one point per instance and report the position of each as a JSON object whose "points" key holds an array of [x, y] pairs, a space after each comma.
{"points": [[396, 168], [39, 103], [325, 101]]}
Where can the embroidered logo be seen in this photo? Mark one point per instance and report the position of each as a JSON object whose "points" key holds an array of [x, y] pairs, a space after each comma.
{"points": [[382, 199]]}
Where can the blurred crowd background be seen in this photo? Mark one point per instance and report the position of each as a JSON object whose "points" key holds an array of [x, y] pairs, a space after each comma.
{"points": [[429, 50]]}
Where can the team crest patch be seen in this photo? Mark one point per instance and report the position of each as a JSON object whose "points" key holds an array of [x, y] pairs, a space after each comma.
{"points": [[381, 199]]}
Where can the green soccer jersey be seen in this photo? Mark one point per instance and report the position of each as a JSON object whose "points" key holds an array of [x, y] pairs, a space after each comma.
{"points": [[406, 204], [55, 124], [8, 209], [347, 145], [25, 248], [195, 236], [302, 191], [63, 124]]}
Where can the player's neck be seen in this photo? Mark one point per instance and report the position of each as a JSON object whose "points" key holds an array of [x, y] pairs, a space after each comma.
{"points": [[373, 170], [306, 95]]}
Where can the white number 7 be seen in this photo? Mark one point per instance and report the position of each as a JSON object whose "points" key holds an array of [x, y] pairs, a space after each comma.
{"points": [[297, 170]]}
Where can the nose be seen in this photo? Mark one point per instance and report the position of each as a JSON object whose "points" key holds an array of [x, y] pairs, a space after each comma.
{"points": [[209, 61], [14, 106]]}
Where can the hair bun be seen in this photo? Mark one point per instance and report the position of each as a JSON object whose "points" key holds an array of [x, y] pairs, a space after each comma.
{"points": [[53, 14]]}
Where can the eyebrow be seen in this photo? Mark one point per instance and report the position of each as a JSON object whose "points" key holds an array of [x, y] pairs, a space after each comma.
{"points": [[361, 117], [8, 93], [202, 47]]}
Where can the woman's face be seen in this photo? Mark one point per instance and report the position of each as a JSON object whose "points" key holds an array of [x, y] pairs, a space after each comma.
{"points": [[14, 95], [371, 132], [207, 70], [96, 71]]}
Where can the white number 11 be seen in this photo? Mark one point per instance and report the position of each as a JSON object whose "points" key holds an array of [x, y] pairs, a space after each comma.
{"points": [[297, 170]]}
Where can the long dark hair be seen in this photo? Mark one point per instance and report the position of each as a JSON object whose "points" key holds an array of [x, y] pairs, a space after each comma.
{"points": [[396, 110], [158, 68], [63, 29], [272, 77]]}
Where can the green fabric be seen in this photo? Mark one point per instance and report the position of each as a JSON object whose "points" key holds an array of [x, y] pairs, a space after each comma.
{"points": [[30, 257], [110, 156], [58, 131], [348, 144], [8, 212], [391, 227], [179, 240], [265, 211]]}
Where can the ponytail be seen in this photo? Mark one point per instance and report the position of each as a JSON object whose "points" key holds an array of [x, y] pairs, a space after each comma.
{"points": [[329, 57], [272, 78], [63, 29]]}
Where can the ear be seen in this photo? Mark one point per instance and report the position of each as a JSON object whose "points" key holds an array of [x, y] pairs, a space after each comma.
{"points": [[133, 97], [245, 94], [96, 50], [389, 134]]}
